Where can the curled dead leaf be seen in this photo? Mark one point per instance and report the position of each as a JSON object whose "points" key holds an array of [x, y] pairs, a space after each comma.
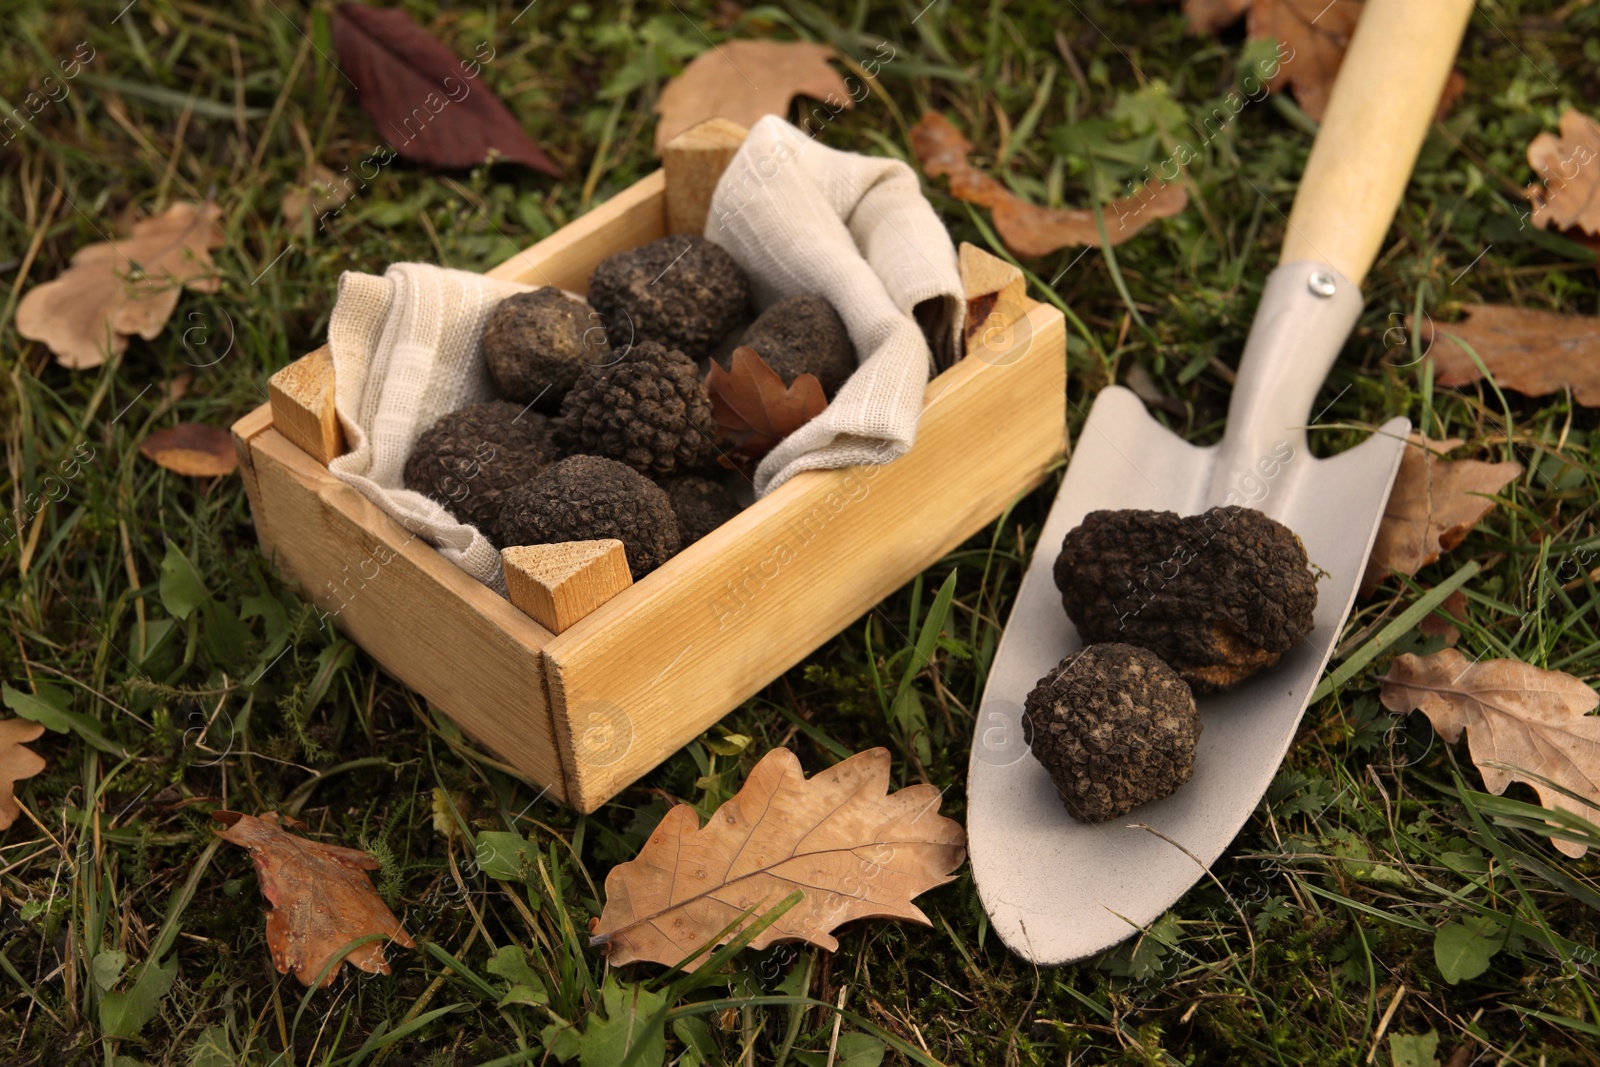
{"points": [[1027, 229], [1435, 503], [1570, 167], [16, 763], [853, 848], [754, 410], [192, 449], [1516, 716], [319, 898], [1531, 352], [744, 80], [115, 289]]}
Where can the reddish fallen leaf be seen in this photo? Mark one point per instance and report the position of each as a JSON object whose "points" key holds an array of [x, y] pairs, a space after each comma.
{"points": [[853, 848], [1434, 505], [429, 106], [1529, 351], [741, 81], [1027, 229], [115, 289], [1570, 167], [193, 450], [1517, 718], [754, 410], [1209, 16], [1438, 623], [319, 898], [16, 763]]}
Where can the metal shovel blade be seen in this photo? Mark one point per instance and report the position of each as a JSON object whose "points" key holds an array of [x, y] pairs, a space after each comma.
{"points": [[1058, 890]]}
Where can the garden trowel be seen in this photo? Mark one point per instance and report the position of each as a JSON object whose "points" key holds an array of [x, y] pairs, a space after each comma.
{"points": [[1056, 889]]}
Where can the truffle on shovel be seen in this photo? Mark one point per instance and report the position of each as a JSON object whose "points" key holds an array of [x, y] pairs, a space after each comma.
{"points": [[1219, 596], [470, 458], [804, 335], [1115, 727], [682, 291], [536, 343], [700, 504], [647, 408], [585, 498]]}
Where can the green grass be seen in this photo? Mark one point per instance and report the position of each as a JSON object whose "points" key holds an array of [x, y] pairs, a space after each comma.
{"points": [[186, 677]]}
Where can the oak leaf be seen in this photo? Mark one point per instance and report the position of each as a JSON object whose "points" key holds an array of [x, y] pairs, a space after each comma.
{"points": [[1517, 718], [192, 449], [851, 847], [1441, 622], [1435, 503], [319, 898], [1316, 34], [114, 289], [1529, 351], [428, 106], [742, 81], [1570, 166], [754, 410], [16, 763], [1028, 229]]}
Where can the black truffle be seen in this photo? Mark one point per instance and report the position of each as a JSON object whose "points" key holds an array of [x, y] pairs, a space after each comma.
{"points": [[804, 335], [1115, 727], [700, 504], [647, 408], [682, 291], [583, 498], [1219, 596], [470, 458], [536, 343]]}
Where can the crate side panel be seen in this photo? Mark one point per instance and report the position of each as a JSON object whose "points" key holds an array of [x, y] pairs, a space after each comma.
{"points": [[423, 619], [566, 258], [647, 672]]}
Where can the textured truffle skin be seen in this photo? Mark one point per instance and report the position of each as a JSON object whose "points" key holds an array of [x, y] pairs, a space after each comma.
{"points": [[1219, 596], [804, 335], [1115, 727], [647, 408], [473, 456], [682, 291], [536, 343], [700, 504], [584, 498]]}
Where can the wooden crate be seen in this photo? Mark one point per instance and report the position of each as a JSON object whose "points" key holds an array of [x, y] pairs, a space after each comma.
{"points": [[588, 710]]}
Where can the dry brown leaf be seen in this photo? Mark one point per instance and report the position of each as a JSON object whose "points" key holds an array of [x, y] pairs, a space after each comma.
{"points": [[115, 289], [1570, 166], [1027, 229], [318, 193], [1209, 16], [1516, 717], [1316, 33], [16, 763], [741, 81], [856, 850], [193, 450], [319, 898], [754, 410], [1438, 623], [1532, 352], [1432, 507]]}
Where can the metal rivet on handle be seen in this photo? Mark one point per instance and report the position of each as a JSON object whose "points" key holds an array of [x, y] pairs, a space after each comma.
{"points": [[1321, 283]]}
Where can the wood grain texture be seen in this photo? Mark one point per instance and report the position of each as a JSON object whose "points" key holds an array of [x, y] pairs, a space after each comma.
{"points": [[257, 421], [301, 395], [654, 667], [693, 163], [559, 584], [566, 258], [996, 296], [1382, 104], [420, 616]]}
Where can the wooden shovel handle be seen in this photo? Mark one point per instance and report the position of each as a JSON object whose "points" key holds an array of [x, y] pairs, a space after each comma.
{"points": [[1382, 104]]}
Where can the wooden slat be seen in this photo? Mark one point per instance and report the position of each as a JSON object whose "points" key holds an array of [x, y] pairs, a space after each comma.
{"points": [[567, 257], [654, 667], [257, 421], [559, 584], [301, 395], [422, 618], [693, 163]]}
